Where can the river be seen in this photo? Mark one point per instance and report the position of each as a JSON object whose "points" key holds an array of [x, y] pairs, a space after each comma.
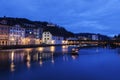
{"points": [[56, 63]]}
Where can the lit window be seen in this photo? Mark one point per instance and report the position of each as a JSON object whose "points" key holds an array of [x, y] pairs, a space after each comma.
{"points": [[30, 32]]}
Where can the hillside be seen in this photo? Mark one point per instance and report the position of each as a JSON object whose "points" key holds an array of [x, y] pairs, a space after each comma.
{"points": [[36, 24], [56, 29]]}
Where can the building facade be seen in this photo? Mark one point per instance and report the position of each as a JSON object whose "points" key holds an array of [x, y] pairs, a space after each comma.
{"points": [[4, 35], [33, 34], [19, 31], [16, 35], [95, 37], [50, 38]]}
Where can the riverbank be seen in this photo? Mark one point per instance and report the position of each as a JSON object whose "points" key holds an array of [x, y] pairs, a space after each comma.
{"points": [[28, 46], [35, 46]]}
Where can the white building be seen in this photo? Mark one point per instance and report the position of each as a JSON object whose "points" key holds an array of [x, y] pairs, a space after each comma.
{"points": [[52, 38], [17, 35]]}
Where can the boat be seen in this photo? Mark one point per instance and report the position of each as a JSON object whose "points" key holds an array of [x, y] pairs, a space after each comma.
{"points": [[75, 51]]}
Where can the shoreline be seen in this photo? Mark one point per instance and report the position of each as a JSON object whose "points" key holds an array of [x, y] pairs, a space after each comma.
{"points": [[28, 46], [36, 46]]}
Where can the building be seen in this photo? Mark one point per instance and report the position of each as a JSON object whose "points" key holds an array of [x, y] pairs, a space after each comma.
{"points": [[33, 34], [50, 37], [17, 35], [20, 31], [4, 34], [95, 37], [72, 40]]}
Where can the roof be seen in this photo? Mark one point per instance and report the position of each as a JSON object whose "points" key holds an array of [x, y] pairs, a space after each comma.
{"points": [[54, 31]]}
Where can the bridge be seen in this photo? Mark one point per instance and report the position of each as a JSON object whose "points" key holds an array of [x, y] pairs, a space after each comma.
{"points": [[95, 42]]}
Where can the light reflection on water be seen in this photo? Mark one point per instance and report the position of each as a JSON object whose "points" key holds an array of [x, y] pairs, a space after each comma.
{"points": [[58, 64], [29, 55]]}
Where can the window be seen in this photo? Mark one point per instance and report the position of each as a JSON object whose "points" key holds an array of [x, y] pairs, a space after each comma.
{"points": [[58, 38]]}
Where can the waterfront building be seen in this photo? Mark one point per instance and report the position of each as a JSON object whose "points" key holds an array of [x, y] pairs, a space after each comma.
{"points": [[20, 31], [17, 35], [4, 34], [82, 38], [33, 34], [51, 37], [72, 40], [95, 37]]}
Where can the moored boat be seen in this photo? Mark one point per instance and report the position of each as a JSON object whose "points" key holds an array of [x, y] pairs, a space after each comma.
{"points": [[75, 51]]}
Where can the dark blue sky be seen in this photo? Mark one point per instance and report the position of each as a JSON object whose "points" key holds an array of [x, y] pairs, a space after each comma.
{"points": [[98, 16]]}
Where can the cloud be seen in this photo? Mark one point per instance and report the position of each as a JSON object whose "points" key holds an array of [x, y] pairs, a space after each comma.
{"points": [[100, 10], [76, 15]]}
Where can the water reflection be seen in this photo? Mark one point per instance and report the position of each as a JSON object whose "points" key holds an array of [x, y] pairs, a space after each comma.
{"points": [[28, 60], [40, 49], [65, 49], [52, 49], [29, 55], [35, 64], [41, 62], [97, 50], [52, 59], [65, 58], [12, 56], [12, 65], [74, 57]]}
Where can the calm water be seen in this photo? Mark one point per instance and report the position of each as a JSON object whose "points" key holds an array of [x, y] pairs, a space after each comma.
{"points": [[56, 63]]}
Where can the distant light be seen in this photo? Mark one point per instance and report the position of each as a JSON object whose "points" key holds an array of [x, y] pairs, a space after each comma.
{"points": [[40, 49], [28, 64], [52, 41], [12, 56], [52, 48], [12, 67], [41, 63], [30, 32]]}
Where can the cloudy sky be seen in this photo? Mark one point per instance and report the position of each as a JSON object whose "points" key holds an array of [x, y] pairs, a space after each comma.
{"points": [[97, 16]]}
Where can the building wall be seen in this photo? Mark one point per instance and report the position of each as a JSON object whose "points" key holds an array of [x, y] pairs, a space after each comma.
{"points": [[33, 35], [48, 38], [4, 35], [57, 39], [94, 37], [17, 35]]}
